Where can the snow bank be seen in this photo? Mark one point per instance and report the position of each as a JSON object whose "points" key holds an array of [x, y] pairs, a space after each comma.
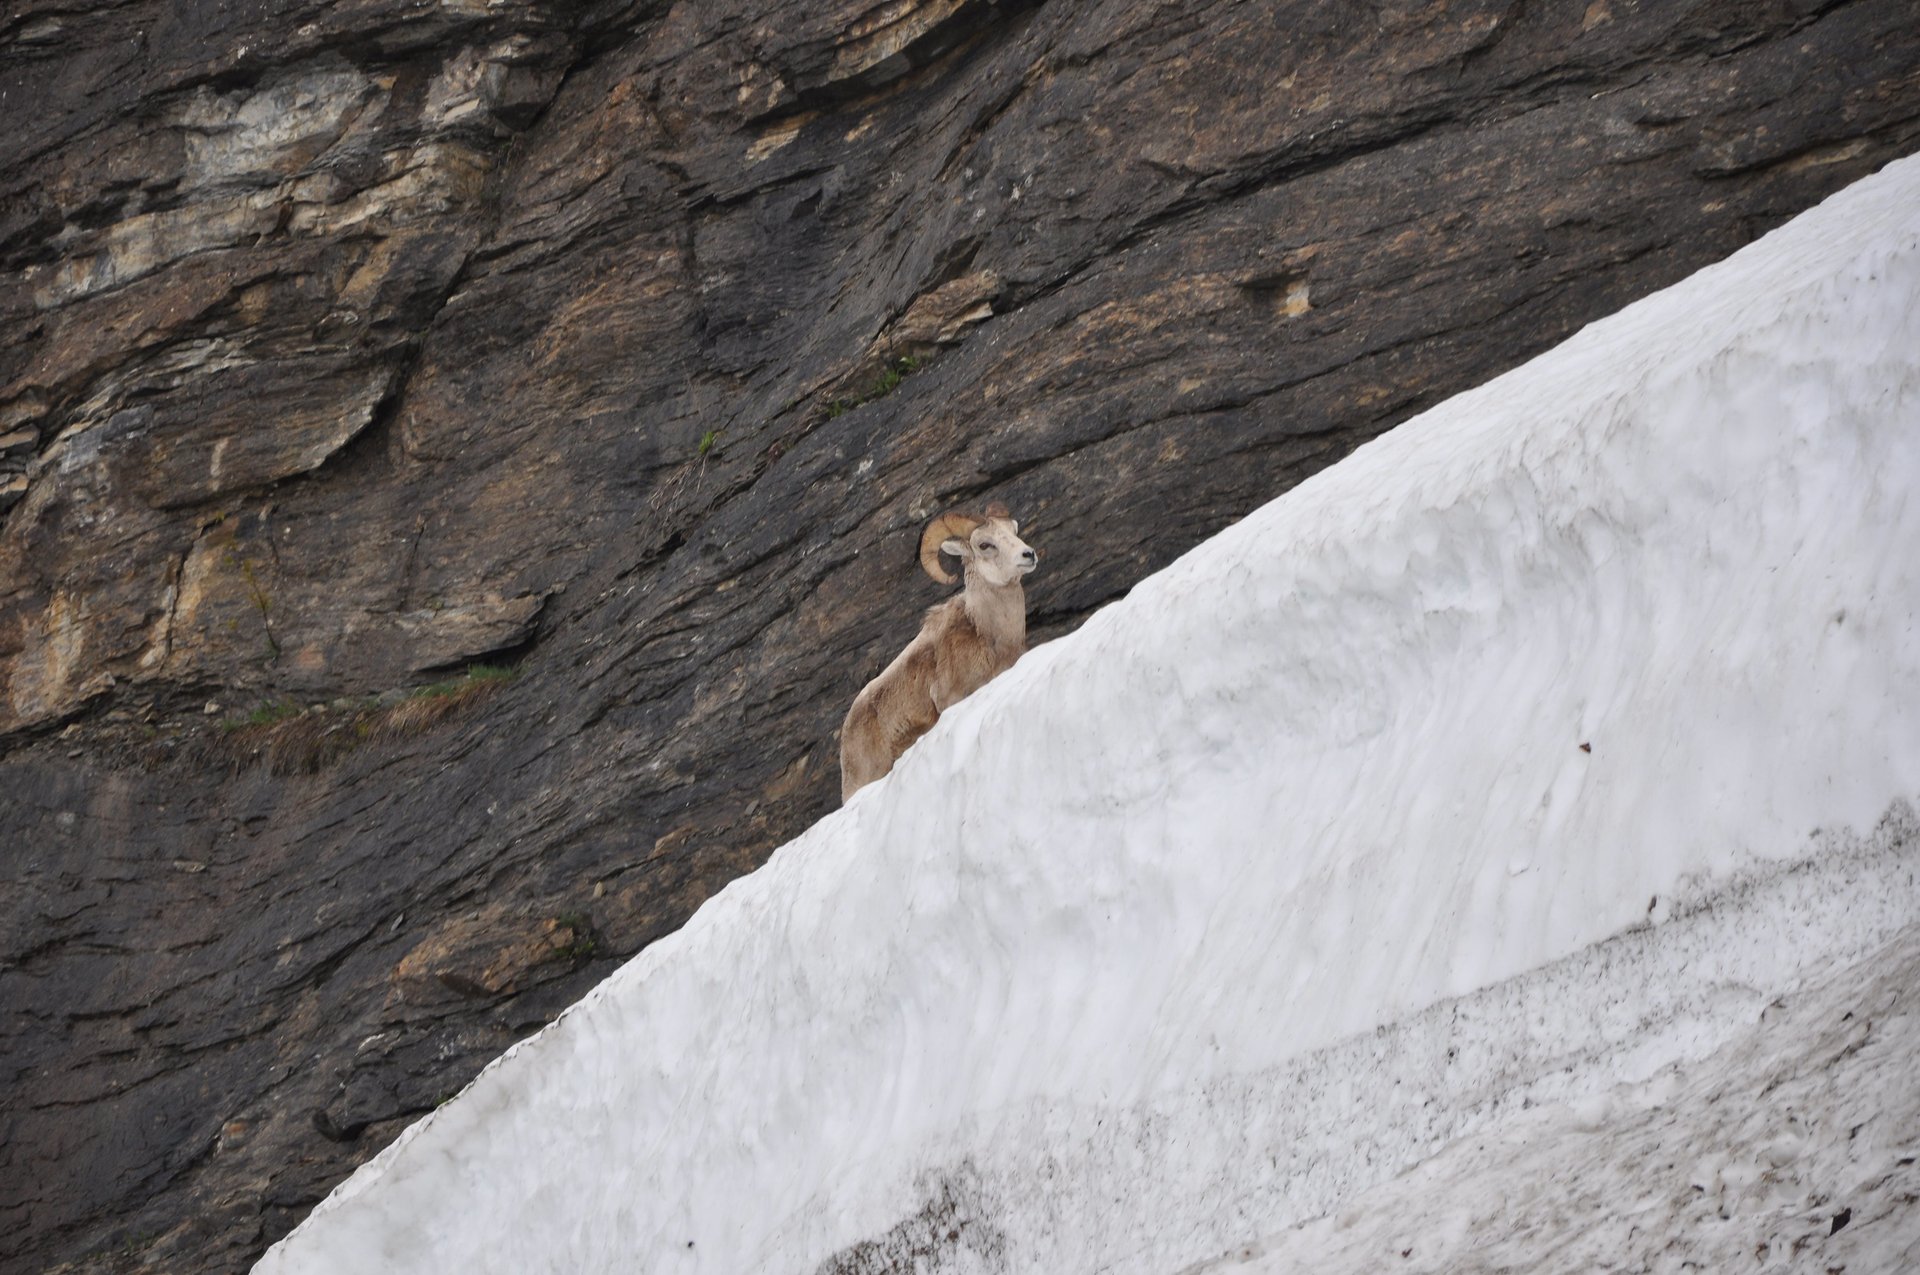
{"points": [[1533, 747]]}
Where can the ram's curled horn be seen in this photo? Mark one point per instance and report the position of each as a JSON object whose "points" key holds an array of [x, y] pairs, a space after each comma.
{"points": [[953, 525]]}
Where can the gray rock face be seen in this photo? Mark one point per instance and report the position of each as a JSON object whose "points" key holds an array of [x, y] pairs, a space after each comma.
{"points": [[350, 345]]}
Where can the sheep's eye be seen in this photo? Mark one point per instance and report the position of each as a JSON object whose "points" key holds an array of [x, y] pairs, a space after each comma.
{"points": [[988, 547]]}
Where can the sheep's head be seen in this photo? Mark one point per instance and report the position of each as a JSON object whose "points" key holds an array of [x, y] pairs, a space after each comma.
{"points": [[991, 547]]}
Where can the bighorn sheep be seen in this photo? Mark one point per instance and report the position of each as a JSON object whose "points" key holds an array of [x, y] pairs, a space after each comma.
{"points": [[964, 643]]}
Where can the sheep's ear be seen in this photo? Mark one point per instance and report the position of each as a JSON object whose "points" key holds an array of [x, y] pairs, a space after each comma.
{"points": [[958, 548]]}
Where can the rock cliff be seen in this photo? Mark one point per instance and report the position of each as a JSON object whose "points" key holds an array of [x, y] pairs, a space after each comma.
{"points": [[458, 461]]}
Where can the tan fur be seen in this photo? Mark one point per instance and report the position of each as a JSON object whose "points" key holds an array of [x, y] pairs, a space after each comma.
{"points": [[964, 643]]}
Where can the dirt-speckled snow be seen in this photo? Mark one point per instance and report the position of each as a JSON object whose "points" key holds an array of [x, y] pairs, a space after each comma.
{"points": [[1793, 1149]]}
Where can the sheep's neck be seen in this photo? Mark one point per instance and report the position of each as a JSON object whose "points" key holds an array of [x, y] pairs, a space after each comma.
{"points": [[999, 612]]}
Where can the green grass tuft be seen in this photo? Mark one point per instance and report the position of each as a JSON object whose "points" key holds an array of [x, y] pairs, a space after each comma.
{"points": [[475, 676], [891, 374], [586, 941], [274, 710]]}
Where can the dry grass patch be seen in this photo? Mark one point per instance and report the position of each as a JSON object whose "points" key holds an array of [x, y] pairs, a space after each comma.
{"points": [[291, 740]]}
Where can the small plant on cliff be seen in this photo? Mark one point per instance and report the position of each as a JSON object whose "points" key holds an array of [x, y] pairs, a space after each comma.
{"points": [[425, 705], [274, 710], [691, 475], [585, 940], [292, 740], [476, 676], [892, 373], [261, 602], [895, 372]]}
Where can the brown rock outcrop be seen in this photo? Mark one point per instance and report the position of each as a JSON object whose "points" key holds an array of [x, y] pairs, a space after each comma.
{"points": [[348, 345]]}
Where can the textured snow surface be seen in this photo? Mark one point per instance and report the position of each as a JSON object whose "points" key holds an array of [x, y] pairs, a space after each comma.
{"points": [[1531, 751], [1793, 1151]]}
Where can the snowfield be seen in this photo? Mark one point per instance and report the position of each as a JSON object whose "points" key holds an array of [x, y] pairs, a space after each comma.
{"points": [[1501, 848]]}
